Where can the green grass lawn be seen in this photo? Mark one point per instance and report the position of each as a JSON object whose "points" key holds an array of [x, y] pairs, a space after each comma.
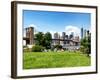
{"points": [[54, 59]]}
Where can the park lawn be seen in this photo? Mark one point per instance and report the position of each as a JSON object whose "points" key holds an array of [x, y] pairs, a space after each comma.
{"points": [[33, 60]]}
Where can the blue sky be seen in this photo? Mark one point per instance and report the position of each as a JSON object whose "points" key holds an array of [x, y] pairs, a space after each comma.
{"points": [[56, 21]]}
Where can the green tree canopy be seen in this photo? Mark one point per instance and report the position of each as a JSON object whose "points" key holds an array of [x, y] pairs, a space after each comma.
{"points": [[86, 45], [39, 38], [48, 40], [44, 39]]}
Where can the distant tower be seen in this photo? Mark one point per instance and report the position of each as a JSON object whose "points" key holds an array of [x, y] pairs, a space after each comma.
{"points": [[81, 33], [85, 33], [66, 37], [63, 35], [70, 36], [88, 32], [56, 37], [30, 34], [72, 33]]}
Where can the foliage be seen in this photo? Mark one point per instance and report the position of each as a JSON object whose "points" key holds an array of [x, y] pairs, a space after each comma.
{"points": [[44, 39], [39, 38], [48, 39], [86, 45], [37, 48], [82, 49], [55, 59], [58, 46], [26, 49]]}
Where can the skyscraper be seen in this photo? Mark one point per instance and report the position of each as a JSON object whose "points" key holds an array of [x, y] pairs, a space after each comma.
{"points": [[70, 36], [82, 33], [56, 37], [85, 33], [88, 32], [66, 37], [63, 35]]}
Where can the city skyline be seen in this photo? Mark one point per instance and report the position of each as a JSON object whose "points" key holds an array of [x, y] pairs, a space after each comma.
{"points": [[63, 40], [47, 21], [63, 35]]}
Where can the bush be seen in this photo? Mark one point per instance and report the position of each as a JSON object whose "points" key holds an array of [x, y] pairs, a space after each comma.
{"points": [[85, 50], [58, 46], [82, 49], [37, 48], [26, 49]]}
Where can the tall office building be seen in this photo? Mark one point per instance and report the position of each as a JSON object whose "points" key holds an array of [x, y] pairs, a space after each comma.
{"points": [[63, 35], [82, 33], [72, 33], [85, 33], [88, 32], [66, 37], [56, 37], [71, 36]]}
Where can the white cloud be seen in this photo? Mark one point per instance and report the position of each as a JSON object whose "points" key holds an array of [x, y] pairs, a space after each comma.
{"points": [[69, 29]]}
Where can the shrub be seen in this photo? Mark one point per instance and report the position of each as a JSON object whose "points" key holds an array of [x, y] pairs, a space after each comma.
{"points": [[37, 48], [82, 49], [85, 50], [58, 46], [26, 49]]}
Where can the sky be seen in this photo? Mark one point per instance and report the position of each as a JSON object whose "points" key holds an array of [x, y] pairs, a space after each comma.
{"points": [[48, 21]]}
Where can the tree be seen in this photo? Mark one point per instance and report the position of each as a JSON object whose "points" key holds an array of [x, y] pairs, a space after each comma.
{"points": [[44, 39], [48, 40], [86, 45], [39, 38]]}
